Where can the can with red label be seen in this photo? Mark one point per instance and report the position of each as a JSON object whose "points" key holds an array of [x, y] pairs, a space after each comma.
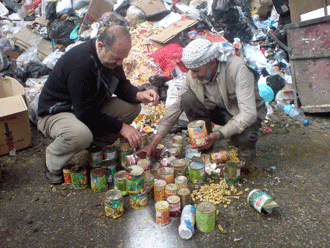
{"points": [[110, 152], [162, 213], [170, 189], [219, 157], [175, 206], [197, 133], [67, 174]]}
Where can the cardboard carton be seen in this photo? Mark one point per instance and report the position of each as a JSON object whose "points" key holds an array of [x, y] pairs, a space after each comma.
{"points": [[95, 10], [26, 39], [298, 8], [15, 132]]}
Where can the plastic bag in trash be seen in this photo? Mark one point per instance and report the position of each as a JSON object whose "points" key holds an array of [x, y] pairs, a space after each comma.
{"points": [[60, 31], [111, 18]]}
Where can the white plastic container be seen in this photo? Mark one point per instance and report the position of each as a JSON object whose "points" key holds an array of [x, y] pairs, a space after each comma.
{"points": [[3, 10], [188, 220]]}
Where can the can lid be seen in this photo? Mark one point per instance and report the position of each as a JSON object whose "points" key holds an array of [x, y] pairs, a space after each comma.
{"points": [[160, 183], [113, 194], [171, 186], [196, 165], [120, 175], [109, 148], [206, 207], [99, 171], [134, 170], [143, 162], [198, 123], [162, 205], [108, 162], [183, 191], [173, 199], [165, 171], [178, 163], [181, 179], [150, 178]]}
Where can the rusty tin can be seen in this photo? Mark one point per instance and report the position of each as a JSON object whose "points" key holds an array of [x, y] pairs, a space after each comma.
{"points": [[162, 213], [219, 157], [145, 165], [95, 156], [184, 194], [110, 152], [159, 151], [181, 182], [178, 139], [111, 166], [175, 205], [113, 203], [159, 190], [138, 200], [170, 189], [99, 179], [167, 174], [179, 167], [79, 177], [197, 133], [232, 172], [124, 145], [205, 216], [135, 179], [67, 174]]}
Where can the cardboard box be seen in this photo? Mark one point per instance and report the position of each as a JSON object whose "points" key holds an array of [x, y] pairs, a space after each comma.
{"points": [[26, 39], [15, 132], [151, 8], [171, 32], [95, 10], [298, 8]]}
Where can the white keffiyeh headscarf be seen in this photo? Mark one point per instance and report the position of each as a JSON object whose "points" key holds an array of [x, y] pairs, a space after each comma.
{"points": [[199, 52]]}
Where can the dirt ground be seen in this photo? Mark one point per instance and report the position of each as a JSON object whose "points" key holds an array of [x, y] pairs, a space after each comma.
{"points": [[292, 166]]}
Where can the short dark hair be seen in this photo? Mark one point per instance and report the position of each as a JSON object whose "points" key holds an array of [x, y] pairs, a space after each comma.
{"points": [[108, 36]]}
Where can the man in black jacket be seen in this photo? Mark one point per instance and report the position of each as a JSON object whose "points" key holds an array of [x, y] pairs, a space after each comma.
{"points": [[77, 106]]}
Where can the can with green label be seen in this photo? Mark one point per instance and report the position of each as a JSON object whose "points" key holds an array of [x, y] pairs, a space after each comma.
{"points": [[205, 216], [197, 171], [79, 177], [113, 203], [111, 166]]}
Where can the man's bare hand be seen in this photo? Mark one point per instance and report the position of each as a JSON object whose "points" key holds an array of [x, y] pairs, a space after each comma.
{"points": [[211, 138], [133, 135], [148, 96]]}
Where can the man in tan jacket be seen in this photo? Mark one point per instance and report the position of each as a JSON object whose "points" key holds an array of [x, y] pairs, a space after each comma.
{"points": [[219, 88]]}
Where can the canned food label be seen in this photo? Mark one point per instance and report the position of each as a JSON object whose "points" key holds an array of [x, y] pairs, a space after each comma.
{"points": [[114, 208], [139, 200], [99, 183], [121, 186], [134, 184], [175, 209], [111, 155], [197, 176], [79, 180], [197, 134], [257, 199], [95, 158]]}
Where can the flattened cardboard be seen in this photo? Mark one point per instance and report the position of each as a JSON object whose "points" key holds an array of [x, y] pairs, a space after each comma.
{"points": [[150, 7], [26, 39], [15, 132], [95, 10], [170, 32]]}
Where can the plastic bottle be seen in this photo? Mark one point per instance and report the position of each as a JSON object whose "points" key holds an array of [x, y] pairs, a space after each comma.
{"points": [[292, 111], [188, 219]]}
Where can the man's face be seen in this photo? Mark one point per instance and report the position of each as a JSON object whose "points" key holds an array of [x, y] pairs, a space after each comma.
{"points": [[114, 56], [202, 73]]}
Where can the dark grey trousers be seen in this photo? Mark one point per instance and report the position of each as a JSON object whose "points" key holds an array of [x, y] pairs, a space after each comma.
{"points": [[195, 110]]}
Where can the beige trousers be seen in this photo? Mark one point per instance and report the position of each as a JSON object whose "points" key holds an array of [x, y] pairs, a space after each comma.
{"points": [[72, 136]]}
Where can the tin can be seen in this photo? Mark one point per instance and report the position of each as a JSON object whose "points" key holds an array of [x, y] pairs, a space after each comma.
{"points": [[166, 161], [181, 182], [120, 182], [167, 174], [159, 151], [173, 152], [159, 190], [197, 133], [149, 184], [219, 157], [179, 149], [232, 172], [110, 152], [129, 159], [113, 203], [79, 177], [95, 156], [111, 166], [124, 145], [197, 171], [145, 140], [179, 167], [175, 206], [188, 158], [184, 194], [205, 216], [135, 179], [67, 174], [178, 139], [138, 200], [262, 202], [99, 179], [170, 189], [162, 213], [145, 165]]}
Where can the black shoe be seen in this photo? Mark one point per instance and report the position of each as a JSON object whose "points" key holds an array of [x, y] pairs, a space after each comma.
{"points": [[53, 178]]}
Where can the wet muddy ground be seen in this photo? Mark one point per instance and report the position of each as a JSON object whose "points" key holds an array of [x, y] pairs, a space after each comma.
{"points": [[292, 166]]}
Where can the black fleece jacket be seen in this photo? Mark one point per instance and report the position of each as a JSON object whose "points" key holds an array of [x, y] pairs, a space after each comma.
{"points": [[80, 84]]}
